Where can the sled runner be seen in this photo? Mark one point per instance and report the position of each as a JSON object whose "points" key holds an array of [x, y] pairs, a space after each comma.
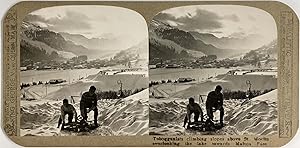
{"points": [[82, 126], [78, 127], [203, 126]]}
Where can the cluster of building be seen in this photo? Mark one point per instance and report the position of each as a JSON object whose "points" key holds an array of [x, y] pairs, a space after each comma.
{"points": [[122, 71], [206, 62], [263, 71], [51, 81], [210, 61], [79, 62]]}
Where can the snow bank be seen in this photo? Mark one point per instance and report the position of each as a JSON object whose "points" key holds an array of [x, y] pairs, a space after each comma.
{"points": [[128, 116], [230, 82], [166, 117], [257, 117], [268, 97], [102, 83], [40, 118], [144, 73], [254, 118]]}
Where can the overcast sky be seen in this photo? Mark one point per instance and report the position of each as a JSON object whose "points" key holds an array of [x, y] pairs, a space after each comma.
{"points": [[125, 25], [222, 20]]}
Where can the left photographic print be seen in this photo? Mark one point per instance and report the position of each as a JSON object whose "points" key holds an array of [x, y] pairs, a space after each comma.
{"points": [[84, 71]]}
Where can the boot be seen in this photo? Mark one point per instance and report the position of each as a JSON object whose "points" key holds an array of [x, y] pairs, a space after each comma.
{"points": [[96, 124], [221, 123]]}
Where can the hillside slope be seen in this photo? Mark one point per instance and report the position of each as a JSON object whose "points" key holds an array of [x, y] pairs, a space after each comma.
{"points": [[166, 39]]}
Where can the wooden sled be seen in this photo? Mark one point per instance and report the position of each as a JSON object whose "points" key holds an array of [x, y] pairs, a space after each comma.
{"points": [[82, 126], [203, 126]]}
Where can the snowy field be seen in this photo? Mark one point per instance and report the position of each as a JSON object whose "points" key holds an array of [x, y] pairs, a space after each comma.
{"points": [[257, 117], [128, 116], [46, 75], [173, 74]]}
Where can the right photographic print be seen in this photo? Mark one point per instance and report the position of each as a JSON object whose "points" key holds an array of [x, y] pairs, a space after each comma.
{"points": [[213, 71]]}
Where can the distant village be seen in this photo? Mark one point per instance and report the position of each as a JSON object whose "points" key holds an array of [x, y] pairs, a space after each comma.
{"points": [[79, 62], [264, 66], [211, 61]]}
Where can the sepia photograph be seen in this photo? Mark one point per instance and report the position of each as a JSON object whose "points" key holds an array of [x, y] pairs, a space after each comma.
{"points": [[213, 71], [150, 74], [84, 71]]}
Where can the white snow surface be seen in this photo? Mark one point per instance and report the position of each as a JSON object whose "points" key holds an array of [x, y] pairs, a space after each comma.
{"points": [[268, 97], [128, 116], [257, 117]]}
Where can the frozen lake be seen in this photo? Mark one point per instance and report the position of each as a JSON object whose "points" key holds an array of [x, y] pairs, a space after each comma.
{"points": [[173, 74], [45, 75]]}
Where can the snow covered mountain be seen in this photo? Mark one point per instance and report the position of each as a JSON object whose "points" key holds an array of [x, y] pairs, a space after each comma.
{"points": [[39, 44], [251, 41], [170, 42], [92, 43], [266, 52], [54, 40], [270, 49], [135, 56]]}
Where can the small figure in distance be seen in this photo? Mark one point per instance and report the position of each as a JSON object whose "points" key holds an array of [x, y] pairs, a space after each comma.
{"points": [[214, 102], [88, 103], [66, 109], [193, 108]]}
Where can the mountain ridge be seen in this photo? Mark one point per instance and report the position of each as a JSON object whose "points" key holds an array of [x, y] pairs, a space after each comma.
{"points": [[249, 42], [162, 31], [91, 43], [50, 38]]}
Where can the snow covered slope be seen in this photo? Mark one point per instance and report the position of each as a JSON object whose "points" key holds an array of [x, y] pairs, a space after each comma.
{"points": [[128, 116]]}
